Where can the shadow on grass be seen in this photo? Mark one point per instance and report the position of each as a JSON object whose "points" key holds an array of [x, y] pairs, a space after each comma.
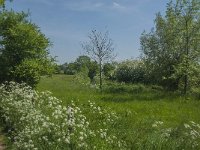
{"points": [[138, 95]]}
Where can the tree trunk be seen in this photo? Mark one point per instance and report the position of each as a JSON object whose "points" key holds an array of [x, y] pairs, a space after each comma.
{"points": [[185, 84], [187, 61], [100, 75]]}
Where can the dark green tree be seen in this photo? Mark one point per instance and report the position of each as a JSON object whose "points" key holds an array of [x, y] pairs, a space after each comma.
{"points": [[22, 47], [82, 63]]}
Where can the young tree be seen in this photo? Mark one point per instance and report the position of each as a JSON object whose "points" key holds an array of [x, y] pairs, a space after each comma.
{"points": [[99, 48]]}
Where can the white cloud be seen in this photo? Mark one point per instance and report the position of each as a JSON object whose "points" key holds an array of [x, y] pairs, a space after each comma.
{"points": [[118, 6]]}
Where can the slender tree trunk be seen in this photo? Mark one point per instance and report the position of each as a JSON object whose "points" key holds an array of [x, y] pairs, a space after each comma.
{"points": [[185, 84], [187, 61], [100, 75]]}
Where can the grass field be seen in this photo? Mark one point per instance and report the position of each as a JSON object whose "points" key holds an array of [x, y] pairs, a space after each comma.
{"points": [[140, 109], [121, 116], [155, 105]]}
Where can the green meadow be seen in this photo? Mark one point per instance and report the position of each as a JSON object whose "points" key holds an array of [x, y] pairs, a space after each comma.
{"points": [[64, 114], [137, 104], [146, 112]]}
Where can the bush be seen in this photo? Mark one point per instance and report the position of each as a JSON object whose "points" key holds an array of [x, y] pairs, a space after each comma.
{"points": [[30, 71], [108, 70], [130, 71], [195, 92], [82, 77]]}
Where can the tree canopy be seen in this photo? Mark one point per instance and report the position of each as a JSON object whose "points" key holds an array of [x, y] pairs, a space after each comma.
{"points": [[172, 50], [22, 45]]}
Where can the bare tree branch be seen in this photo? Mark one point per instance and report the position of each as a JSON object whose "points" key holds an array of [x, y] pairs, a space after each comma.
{"points": [[99, 48]]}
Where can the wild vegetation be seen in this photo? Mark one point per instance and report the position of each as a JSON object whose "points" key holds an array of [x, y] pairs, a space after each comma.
{"points": [[94, 103], [38, 120]]}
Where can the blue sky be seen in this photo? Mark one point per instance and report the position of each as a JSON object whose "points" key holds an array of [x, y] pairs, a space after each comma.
{"points": [[68, 22]]}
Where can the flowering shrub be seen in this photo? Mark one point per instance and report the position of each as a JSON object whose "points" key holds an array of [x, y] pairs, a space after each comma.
{"points": [[40, 121]]}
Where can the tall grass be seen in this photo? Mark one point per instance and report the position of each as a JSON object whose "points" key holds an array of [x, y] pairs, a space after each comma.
{"points": [[121, 117]]}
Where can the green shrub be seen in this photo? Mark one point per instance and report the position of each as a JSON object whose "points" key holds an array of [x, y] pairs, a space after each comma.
{"points": [[195, 92], [82, 76], [108, 70], [130, 71], [30, 71]]}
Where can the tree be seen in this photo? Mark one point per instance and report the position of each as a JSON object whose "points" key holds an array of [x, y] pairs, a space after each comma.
{"points": [[84, 62], [171, 51], [81, 64], [100, 49], [2, 3], [189, 24], [23, 49]]}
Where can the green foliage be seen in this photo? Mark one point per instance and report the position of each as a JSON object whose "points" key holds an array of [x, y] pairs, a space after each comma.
{"points": [[82, 65], [69, 69], [195, 92], [93, 71], [130, 71], [29, 71], [82, 76], [2, 3], [171, 51], [85, 63], [108, 70], [21, 44], [82, 62]]}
